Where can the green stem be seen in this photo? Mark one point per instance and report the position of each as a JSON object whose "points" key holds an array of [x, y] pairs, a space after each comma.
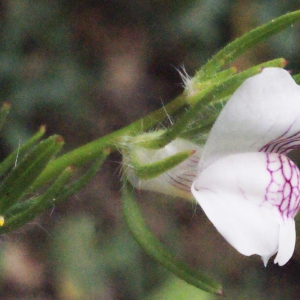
{"points": [[109, 142]]}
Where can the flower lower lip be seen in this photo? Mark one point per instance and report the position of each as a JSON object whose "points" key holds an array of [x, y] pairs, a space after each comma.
{"points": [[244, 196]]}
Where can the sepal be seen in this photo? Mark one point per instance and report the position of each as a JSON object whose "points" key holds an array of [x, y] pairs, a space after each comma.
{"points": [[170, 170]]}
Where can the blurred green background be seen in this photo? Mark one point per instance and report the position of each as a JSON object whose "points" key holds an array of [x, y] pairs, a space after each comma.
{"points": [[86, 68]]}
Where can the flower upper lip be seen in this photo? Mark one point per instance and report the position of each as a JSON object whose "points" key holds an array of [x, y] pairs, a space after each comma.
{"points": [[259, 112]]}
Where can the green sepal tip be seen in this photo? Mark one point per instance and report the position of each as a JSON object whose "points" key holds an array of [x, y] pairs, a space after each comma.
{"points": [[297, 78], [18, 154], [151, 170]]}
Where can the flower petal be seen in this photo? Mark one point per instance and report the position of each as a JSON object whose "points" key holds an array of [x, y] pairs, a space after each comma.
{"points": [[247, 227], [262, 115], [287, 241], [254, 216]]}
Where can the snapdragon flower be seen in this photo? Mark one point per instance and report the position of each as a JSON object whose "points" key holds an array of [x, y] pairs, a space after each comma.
{"points": [[246, 185], [242, 178]]}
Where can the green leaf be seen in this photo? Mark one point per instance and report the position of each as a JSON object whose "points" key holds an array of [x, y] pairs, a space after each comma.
{"points": [[76, 186], [19, 180], [18, 154], [233, 50], [154, 248], [80, 183], [24, 212]]}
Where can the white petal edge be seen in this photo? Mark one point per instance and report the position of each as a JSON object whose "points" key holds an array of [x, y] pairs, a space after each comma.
{"points": [[287, 241], [247, 227]]}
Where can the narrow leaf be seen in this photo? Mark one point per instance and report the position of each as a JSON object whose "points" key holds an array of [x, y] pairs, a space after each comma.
{"points": [[48, 173], [233, 50], [19, 153], [24, 213], [154, 248], [66, 192], [19, 180], [76, 186]]}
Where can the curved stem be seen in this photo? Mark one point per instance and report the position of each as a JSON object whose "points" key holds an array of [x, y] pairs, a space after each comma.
{"points": [[108, 143]]}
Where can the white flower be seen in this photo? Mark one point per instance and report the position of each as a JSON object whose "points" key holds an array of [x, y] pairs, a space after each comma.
{"points": [[246, 185]]}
